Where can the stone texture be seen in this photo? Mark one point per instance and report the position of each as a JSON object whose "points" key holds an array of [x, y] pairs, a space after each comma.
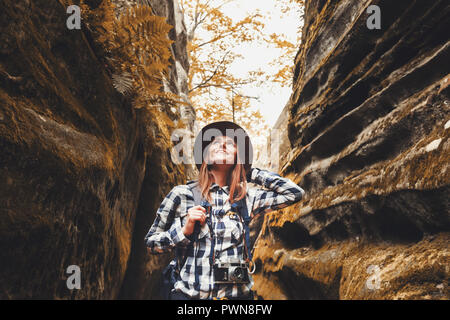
{"points": [[81, 173], [368, 126]]}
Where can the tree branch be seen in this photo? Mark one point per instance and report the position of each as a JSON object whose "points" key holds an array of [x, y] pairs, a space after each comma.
{"points": [[204, 82]]}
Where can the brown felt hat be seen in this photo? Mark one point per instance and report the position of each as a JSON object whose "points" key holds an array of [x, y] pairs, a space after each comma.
{"points": [[224, 128]]}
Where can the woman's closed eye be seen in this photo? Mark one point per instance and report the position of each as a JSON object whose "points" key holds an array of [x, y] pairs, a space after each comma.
{"points": [[219, 141]]}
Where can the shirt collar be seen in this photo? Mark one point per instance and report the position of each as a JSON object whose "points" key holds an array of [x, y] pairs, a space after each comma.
{"points": [[215, 185]]}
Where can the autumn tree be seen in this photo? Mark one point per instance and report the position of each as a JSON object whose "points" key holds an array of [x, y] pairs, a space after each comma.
{"points": [[285, 61], [212, 38]]}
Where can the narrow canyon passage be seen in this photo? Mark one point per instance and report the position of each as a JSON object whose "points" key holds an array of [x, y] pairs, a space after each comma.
{"points": [[365, 133]]}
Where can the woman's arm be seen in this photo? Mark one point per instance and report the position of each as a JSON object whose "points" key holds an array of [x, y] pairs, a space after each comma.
{"points": [[166, 231], [281, 192]]}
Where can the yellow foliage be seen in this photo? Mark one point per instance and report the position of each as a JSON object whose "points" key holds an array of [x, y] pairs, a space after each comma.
{"points": [[212, 39], [137, 47], [210, 56]]}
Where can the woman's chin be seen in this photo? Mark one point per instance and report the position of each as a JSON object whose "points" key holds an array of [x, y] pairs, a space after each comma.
{"points": [[221, 163]]}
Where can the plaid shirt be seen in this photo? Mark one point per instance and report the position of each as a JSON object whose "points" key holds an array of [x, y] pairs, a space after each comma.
{"points": [[166, 232]]}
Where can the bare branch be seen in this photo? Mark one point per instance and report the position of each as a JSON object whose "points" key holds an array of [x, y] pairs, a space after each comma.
{"points": [[202, 84]]}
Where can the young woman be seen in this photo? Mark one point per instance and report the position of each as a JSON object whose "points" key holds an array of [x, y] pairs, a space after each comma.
{"points": [[212, 253]]}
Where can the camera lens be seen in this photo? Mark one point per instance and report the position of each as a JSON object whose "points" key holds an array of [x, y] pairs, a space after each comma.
{"points": [[238, 273]]}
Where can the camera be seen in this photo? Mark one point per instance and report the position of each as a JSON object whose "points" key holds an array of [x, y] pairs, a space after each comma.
{"points": [[231, 270]]}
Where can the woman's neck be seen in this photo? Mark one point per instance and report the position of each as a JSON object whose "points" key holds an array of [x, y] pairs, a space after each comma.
{"points": [[220, 176]]}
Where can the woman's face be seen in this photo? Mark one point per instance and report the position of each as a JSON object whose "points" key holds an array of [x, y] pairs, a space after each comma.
{"points": [[222, 150]]}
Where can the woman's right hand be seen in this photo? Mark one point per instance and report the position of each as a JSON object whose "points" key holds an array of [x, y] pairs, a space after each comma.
{"points": [[194, 214]]}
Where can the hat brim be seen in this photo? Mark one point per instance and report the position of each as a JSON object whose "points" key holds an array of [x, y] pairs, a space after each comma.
{"points": [[224, 128]]}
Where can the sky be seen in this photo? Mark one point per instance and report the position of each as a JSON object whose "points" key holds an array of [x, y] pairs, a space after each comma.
{"points": [[272, 97]]}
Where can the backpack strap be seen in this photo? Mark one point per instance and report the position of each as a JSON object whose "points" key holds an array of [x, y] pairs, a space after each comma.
{"points": [[246, 218], [196, 192], [241, 207], [199, 200]]}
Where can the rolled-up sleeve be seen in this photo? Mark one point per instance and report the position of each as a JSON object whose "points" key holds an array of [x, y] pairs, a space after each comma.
{"points": [[279, 193], [166, 231]]}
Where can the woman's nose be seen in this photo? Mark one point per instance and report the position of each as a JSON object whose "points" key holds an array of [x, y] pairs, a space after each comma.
{"points": [[223, 145]]}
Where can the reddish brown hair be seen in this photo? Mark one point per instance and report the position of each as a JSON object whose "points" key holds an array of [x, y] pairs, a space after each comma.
{"points": [[236, 180]]}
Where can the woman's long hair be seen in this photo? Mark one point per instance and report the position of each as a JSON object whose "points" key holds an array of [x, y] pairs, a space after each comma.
{"points": [[236, 179]]}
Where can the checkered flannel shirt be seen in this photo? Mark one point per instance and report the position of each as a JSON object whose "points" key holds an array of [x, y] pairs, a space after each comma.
{"points": [[166, 232]]}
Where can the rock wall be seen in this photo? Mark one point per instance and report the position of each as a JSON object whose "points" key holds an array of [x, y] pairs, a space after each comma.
{"points": [[369, 128], [81, 172]]}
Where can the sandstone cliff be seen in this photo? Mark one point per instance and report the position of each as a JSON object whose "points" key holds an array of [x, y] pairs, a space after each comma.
{"points": [[80, 169], [369, 128]]}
